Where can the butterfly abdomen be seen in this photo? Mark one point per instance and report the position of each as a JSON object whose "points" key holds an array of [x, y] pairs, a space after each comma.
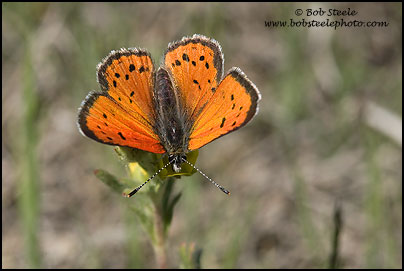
{"points": [[169, 123]]}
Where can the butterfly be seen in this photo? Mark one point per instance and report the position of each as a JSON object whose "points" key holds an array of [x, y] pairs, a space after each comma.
{"points": [[174, 109]]}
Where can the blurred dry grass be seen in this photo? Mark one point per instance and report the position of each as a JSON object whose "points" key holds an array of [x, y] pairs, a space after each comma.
{"points": [[328, 130]]}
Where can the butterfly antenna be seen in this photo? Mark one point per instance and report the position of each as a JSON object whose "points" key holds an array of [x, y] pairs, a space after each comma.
{"points": [[204, 175], [140, 186]]}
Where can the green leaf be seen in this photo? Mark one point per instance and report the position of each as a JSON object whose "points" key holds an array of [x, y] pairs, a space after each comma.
{"points": [[168, 214], [147, 161], [110, 180], [186, 170], [144, 209]]}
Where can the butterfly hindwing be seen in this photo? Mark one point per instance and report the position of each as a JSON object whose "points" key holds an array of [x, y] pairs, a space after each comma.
{"points": [[234, 104]]}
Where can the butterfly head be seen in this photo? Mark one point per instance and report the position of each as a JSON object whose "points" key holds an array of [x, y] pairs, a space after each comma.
{"points": [[176, 161]]}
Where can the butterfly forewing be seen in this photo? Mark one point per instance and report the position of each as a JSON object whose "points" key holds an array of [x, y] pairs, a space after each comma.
{"points": [[127, 76], [123, 113], [196, 65], [213, 107]]}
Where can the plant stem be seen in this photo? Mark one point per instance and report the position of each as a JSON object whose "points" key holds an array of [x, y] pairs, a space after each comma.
{"points": [[159, 244], [29, 199], [333, 262]]}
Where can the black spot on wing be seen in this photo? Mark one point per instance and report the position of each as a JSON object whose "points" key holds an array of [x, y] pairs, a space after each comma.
{"points": [[205, 41], [222, 124], [120, 134], [185, 57], [131, 68]]}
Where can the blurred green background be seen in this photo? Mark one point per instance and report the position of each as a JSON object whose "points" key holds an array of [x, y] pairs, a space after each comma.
{"points": [[327, 138]]}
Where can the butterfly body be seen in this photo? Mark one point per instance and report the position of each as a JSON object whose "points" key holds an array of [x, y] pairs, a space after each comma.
{"points": [[171, 124], [177, 108]]}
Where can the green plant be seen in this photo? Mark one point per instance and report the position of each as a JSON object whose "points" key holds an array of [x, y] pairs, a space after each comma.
{"points": [[154, 203]]}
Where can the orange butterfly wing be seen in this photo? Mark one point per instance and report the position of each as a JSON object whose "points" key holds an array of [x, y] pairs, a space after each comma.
{"points": [[214, 109], [196, 65], [122, 114], [233, 105]]}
